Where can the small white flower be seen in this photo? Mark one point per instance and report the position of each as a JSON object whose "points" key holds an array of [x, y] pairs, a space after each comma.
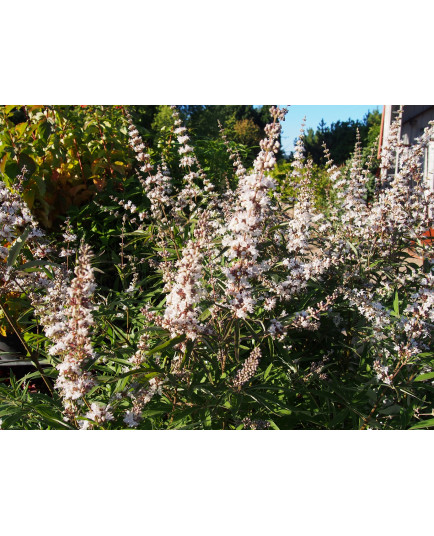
{"points": [[130, 419]]}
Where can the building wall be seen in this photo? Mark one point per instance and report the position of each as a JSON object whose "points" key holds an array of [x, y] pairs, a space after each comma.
{"points": [[414, 120]]}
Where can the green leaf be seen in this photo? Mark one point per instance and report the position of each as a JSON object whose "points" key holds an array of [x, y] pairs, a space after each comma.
{"points": [[188, 351], [10, 107], [205, 315], [11, 170], [168, 344], [237, 340], [396, 303], [51, 418], [429, 423], [146, 375], [392, 410], [34, 264], [283, 412], [20, 128], [267, 372], [27, 161], [273, 425], [42, 187], [44, 130], [207, 419], [353, 247], [17, 246], [423, 377]]}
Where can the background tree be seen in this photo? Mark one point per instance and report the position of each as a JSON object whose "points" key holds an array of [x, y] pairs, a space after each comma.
{"points": [[340, 137], [243, 124], [247, 132]]}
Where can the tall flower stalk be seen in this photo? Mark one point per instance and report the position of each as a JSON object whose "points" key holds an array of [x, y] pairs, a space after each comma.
{"points": [[251, 213], [74, 345]]}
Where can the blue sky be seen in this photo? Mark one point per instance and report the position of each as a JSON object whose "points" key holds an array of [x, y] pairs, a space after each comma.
{"points": [[314, 114]]}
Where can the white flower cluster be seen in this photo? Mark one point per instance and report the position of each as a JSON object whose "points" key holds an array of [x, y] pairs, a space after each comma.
{"points": [[298, 235], [98, 414], [402, 205], [50, 309], [310, 318], [270, 145], [158, 188], [72, 334], [181, 315], [191, 192], [248, 369], [414, 330], [139, 356], [382, 372], [298, 163], [240, 170], [248, 259], [245, 227], [18, 225], [140, 399], [186, 151], [139, 147]]}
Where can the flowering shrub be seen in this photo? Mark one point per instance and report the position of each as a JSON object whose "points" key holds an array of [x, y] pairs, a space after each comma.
{"points": [[224, 309]]}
